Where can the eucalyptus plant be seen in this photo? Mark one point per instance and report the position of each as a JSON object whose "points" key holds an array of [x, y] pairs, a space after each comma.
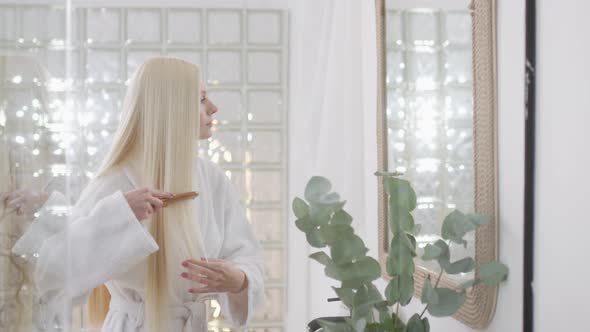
{"points": [[321, 216]]}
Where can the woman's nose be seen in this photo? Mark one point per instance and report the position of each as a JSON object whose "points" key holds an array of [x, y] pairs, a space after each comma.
{"points": [[212, 108]]}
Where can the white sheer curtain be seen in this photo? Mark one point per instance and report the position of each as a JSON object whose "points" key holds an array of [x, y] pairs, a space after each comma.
{"points": [[332, 131]]}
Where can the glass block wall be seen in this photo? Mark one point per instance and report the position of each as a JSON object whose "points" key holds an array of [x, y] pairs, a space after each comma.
{"points": [[430, 110], [243, 53]]}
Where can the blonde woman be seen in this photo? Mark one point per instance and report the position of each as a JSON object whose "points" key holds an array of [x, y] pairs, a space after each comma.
{"points": [[156, 262]]}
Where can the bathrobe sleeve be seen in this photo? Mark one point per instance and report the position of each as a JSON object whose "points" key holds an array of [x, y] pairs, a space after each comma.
{"points": [[50, 219], [102, 238], [241, 247]]}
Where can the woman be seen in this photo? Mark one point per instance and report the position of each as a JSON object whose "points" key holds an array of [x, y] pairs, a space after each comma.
{"points": [[157, 262]]}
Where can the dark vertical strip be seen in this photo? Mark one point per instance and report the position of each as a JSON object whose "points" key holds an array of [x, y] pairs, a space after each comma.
{"points": [[529, 181]]}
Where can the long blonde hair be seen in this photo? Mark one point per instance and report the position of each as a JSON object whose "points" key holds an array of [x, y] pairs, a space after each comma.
{"points": [[160, 123]]}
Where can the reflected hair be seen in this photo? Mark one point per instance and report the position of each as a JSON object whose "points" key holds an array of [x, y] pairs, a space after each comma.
{"points": [[15, 271], [160, 125]]}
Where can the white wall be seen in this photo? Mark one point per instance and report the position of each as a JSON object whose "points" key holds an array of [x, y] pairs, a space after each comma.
{"points": [[511, 164], [563, 180]]}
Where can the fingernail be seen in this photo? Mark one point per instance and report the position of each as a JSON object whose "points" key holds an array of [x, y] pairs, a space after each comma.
{"points": [[185, 264], [191, 290], [184, 274]]}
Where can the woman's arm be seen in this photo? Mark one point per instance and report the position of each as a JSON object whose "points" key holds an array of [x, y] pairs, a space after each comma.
{"points": [[92, 248], [103, 237]]}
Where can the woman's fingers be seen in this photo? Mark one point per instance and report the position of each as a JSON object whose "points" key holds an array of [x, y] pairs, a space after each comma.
{"points": [[15, 203], [156, 203], [212, 264], [202, 280], [198, 269], [161, 194], [148, 208], [203, 290]]}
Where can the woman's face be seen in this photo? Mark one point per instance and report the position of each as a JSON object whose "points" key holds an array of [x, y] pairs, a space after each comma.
{"points": [[207, 111]]}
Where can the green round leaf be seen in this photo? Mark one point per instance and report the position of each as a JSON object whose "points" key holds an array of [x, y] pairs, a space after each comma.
{"points": [[426, 324], [400, 289], [415, 324], [429, 295], [400, 193], [300, 208], [374, 294], [400, 220], [353, 275], [330, 198], [432, 251], [322, 258], [341, 217], [362, 304], [347, 250], [406, 284], [346, 295], [304, 224], [461, 266], [315, 239], [448, 303], [493, 273], [320, 213], [455, 226], [316, 188], [333, 234], [392, 291], [400, 260]]}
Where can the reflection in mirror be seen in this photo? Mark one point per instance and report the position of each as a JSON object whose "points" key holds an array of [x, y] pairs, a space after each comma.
{"points": [[430, 115], [26, 156], [436, 123]]}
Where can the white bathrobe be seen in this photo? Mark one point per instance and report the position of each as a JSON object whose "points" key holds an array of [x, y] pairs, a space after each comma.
{"points": [[104, 243]]}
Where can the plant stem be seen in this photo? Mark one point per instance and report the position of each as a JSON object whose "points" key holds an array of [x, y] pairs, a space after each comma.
{"points": [[396, 317], [439, 277], [423, 311], [435, 285]]}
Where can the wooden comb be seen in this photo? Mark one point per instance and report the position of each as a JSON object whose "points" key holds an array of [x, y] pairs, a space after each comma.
{"points": [[180, 197]]}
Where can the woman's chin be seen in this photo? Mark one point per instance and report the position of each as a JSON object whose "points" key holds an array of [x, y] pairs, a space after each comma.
{"points": [[205, 134]]}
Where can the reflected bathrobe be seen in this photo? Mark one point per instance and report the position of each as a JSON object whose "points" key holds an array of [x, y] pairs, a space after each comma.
{"points": [[104, 243]]}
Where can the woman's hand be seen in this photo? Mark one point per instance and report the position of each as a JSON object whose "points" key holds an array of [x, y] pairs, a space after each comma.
{"points": [[144, 202], [216, 276], [24, 201]]}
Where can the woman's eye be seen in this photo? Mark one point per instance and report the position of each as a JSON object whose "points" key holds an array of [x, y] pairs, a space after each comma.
{"points": [[203, 100]]}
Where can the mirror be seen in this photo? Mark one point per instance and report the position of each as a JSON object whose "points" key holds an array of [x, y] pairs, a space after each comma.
{"points": [[436, 125]]}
